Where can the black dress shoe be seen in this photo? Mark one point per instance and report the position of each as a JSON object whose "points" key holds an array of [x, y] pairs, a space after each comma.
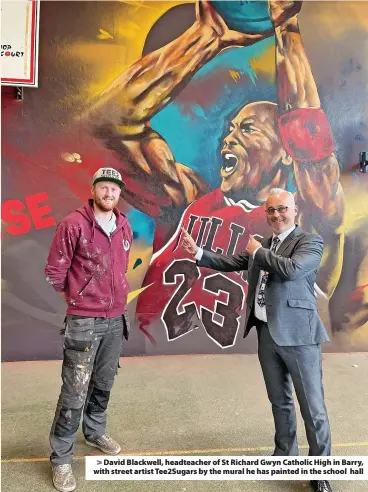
{"points": [[321, 486]]}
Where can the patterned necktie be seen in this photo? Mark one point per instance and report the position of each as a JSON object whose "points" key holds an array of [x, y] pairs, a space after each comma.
{"points": [[262, 286]]}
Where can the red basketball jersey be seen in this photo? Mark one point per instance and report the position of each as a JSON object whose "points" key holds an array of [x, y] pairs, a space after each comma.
{"points": [[185, 296]]}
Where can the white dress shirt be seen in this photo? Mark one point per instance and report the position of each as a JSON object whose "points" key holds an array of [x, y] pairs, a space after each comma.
{"points": [[199, 254], [259, 311]]}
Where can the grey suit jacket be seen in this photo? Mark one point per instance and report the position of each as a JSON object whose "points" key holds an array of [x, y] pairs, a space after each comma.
{"points": [[291, 305]]}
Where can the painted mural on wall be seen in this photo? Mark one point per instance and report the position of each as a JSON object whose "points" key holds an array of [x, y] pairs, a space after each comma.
{"points": [[202, 121]]}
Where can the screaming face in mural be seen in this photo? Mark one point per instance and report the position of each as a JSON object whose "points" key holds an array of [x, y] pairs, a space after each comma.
{"points": [[267, 145]]}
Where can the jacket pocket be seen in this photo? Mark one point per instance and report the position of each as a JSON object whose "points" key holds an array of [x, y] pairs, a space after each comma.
{"points": [[299, 303], [80, 293]]}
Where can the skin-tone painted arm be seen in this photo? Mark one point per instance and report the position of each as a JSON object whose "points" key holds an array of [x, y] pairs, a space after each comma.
{"points": [[121, 117], [319, 197]]}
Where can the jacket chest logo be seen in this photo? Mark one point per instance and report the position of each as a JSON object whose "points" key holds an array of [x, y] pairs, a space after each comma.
{"points": [[126, 245]]}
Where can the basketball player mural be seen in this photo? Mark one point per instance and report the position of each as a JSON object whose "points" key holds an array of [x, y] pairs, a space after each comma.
{"points": [[268, 145]]}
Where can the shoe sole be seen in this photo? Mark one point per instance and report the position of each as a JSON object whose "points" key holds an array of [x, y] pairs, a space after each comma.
{"points": [[69, 489], [98, 447]]}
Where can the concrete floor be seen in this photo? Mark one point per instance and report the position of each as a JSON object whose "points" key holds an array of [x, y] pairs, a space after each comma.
{"points": [[177, 405]]}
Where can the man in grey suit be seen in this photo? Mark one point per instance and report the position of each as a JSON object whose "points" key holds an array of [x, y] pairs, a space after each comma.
{"points": [[281, 303]]}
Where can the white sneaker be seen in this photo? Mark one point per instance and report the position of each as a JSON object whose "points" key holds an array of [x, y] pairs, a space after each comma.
{"points": [[63, 478], [106, 444]]}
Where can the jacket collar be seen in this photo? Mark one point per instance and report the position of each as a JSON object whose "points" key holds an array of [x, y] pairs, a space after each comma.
{"points": [[293, 234]]}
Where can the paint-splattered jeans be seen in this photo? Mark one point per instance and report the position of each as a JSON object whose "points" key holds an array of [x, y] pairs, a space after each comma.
{"points": [[92, 347]]}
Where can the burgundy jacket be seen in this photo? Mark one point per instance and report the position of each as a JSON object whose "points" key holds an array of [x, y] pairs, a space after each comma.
{"points": [[89, 266]]}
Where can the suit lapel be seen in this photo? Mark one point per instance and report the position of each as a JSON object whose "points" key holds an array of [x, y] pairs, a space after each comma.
{"points": [[266, 242], [288, 240]]}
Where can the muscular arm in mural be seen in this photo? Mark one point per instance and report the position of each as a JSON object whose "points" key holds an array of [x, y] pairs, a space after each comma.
{"points": [[155, 180], [306, 136]]}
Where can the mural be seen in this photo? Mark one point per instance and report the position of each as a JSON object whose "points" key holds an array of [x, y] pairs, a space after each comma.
{"points": [[203, 108]]}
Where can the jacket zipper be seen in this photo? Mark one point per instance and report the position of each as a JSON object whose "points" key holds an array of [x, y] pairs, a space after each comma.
{"points": [[112, 270], [112, 279]]}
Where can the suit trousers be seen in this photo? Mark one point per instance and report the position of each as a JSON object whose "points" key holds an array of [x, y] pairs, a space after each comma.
{"points": [[302, 366]]}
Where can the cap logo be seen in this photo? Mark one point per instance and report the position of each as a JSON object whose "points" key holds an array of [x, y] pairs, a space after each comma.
{"points": [[110, 173]]}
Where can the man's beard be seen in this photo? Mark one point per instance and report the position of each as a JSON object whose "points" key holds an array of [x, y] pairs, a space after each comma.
{"points": [[251, 194], [103, 206]]}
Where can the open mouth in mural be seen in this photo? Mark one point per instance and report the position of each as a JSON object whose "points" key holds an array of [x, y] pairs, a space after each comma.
{"points": [[230, 161]]}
